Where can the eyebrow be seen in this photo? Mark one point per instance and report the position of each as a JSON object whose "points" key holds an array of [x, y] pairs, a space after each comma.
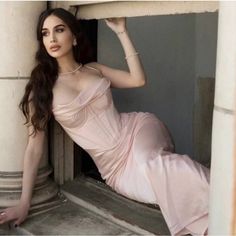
{"points": [[53, 27]]}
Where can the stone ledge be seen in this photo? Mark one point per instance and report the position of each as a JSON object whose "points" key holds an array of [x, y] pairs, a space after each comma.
{"points": [[92, 208], [68, 219], [96, 196]]}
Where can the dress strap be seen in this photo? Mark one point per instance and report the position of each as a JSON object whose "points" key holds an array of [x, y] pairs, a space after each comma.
{"points": [[95, 69]]}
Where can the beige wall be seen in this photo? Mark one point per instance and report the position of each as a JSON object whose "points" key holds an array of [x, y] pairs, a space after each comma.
{"points": [[17, 50], [223, 140], [18, 38]]}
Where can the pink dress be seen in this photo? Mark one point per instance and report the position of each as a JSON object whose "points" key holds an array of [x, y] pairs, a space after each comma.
{"points": [[133, 152]]}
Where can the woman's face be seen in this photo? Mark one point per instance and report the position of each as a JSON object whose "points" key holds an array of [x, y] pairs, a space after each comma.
{"points": [[57, 37]]}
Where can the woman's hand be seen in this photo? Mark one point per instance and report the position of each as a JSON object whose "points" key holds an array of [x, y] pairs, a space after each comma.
{"points": [[17, 214], [116, 24]]}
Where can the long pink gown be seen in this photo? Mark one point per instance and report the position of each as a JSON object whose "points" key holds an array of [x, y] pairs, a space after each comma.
{"points": [[133, 152]]}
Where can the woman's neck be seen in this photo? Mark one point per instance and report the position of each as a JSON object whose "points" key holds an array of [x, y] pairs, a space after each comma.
{"points": [[67, 64]]}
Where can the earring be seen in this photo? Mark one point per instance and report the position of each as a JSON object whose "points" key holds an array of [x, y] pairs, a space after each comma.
{"points": [[74, 42]]}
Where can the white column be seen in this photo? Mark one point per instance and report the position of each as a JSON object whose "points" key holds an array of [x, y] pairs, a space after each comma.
{"points": [[18, 45], [223, 140]]}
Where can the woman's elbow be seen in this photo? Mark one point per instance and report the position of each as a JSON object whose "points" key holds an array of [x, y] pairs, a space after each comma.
{"points": [[141, 82]]}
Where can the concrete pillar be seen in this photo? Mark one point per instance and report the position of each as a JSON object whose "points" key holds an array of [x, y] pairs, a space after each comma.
{"points": [[17, 51], [223, 139]]}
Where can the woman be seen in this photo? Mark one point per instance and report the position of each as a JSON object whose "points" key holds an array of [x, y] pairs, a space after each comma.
{"points": [[133, 151]]}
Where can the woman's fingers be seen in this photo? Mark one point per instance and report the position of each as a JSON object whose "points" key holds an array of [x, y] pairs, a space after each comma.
{"points": [[3, 217], [111, 19], [19, 221], [16, 215], [115, 20], [116, 24], [2, 214], [6, 216]]}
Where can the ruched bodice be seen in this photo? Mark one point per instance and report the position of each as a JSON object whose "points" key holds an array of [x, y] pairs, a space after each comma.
{"points": [[134, 154], [91, 115]]}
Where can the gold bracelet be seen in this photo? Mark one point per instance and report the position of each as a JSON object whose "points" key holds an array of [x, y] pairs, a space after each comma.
{"points": [[131, 55]]}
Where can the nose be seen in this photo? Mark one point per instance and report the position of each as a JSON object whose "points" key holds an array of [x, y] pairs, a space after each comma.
{"points": [[53, 38]]}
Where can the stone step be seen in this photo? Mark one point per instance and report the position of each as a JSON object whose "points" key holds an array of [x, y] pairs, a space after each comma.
{"points": [[96, 196], [68, 218], [89, 207]]}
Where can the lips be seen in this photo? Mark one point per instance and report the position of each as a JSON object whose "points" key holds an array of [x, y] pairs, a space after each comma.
{"points": [[55, 48]]}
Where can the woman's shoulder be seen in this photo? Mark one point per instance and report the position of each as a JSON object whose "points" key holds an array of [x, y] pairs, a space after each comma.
{"points": [[94, 66]]}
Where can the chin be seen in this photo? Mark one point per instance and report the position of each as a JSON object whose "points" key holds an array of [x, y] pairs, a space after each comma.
{"points": [[55, 54], [59, 54]]}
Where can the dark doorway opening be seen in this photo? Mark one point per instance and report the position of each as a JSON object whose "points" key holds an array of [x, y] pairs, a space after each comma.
{"points": [[83, 162]]}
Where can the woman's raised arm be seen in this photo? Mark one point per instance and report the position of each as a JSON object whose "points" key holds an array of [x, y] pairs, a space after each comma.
{"points": [[119, 78]]}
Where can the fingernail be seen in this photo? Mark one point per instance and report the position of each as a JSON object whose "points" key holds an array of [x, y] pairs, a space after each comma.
{"points": [[3, 213]]}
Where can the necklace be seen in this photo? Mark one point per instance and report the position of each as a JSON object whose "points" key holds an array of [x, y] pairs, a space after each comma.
{"points": [[71, 72]]}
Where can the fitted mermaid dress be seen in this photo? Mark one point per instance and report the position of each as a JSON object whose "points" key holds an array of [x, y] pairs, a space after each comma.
{"points": [[134, 154]]}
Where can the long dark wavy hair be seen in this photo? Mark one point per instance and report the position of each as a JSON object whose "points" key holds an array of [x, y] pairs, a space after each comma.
{"points": [[43, 77]]}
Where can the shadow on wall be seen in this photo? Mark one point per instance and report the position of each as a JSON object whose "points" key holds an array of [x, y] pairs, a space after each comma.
{"points": [[203, 114]]}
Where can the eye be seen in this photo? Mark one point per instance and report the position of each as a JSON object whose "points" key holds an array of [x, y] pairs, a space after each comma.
{"points": [[60, 30], [44, 33]]}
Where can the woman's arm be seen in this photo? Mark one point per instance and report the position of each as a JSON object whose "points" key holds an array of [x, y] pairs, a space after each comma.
{"points": [[32, 156], [119, 78]]}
